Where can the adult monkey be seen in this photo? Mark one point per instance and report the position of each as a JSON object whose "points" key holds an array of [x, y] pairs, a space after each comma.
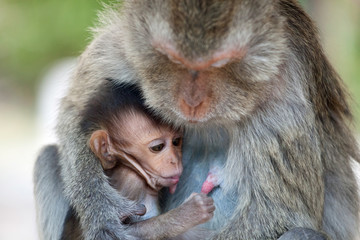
{"points": [[250, 83]]}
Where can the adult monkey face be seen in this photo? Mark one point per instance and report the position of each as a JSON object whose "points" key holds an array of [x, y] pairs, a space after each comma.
{"points": [[206, 66]]}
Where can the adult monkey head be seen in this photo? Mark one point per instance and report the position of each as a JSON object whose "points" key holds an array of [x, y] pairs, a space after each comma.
{"points": [[218, 61]]}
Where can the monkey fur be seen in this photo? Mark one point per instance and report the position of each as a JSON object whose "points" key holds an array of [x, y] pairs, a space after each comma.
{"points": [[249, 82]]}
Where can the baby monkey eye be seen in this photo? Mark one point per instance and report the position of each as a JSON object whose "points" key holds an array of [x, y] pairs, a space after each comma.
{"points": [[157, 148], [177, 141]]}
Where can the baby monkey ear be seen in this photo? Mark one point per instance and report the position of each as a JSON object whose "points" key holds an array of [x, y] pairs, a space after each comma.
{"points": [[100, 144]]}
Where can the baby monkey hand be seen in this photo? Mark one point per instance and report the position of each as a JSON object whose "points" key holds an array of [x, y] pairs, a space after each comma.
{"points": [[197, 209]]}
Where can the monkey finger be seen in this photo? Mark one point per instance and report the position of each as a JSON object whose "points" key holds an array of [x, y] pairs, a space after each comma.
{"points": [[209, 201], [141, 210], [211, 209]]}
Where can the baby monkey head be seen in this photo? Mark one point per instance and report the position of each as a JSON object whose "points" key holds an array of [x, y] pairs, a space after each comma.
{"points": [[136, 140]]}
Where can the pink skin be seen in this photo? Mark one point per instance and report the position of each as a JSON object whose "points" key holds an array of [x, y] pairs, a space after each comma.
{"points": [[207, 187], [174, 180], [213, 180]]}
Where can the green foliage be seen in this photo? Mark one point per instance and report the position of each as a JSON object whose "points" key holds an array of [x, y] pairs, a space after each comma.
{"points": [[34, 33], [353, 80]]}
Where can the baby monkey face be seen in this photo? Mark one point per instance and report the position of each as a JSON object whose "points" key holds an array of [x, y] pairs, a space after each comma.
{"points": [[151, 149], [157, 148]]}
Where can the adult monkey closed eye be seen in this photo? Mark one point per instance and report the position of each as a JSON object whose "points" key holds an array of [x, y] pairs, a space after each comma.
{"points": [[250, 83]]}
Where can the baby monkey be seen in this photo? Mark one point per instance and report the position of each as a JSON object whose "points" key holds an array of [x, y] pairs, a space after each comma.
{"points": [[138, 151], [141, 155]]}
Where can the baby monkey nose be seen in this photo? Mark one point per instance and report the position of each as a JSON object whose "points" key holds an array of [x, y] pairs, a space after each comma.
{"points": [[173, 160]]}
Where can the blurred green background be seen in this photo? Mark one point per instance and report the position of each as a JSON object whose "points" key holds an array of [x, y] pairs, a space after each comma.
{"points": [[36, 34]]}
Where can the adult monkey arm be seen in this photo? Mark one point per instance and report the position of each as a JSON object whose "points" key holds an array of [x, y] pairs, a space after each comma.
{"points": [[51, 205], [98, 205]]}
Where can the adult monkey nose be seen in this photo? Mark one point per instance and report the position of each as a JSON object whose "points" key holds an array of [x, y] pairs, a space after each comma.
{"points": [[195, 95]]}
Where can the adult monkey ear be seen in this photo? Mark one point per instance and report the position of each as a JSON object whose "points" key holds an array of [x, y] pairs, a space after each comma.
{"points": [[100, 144]]}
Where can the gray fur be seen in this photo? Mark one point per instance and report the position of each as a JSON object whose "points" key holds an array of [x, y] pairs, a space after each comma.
{"points": [[302, 234], [51, 206]]}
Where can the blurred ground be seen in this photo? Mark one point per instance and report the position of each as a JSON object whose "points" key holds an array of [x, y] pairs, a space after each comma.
{"points": [[18, 144], [23, 133]]}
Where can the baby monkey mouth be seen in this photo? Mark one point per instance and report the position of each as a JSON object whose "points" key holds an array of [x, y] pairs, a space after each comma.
{"points": [[173, 181], [170, 182]]}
